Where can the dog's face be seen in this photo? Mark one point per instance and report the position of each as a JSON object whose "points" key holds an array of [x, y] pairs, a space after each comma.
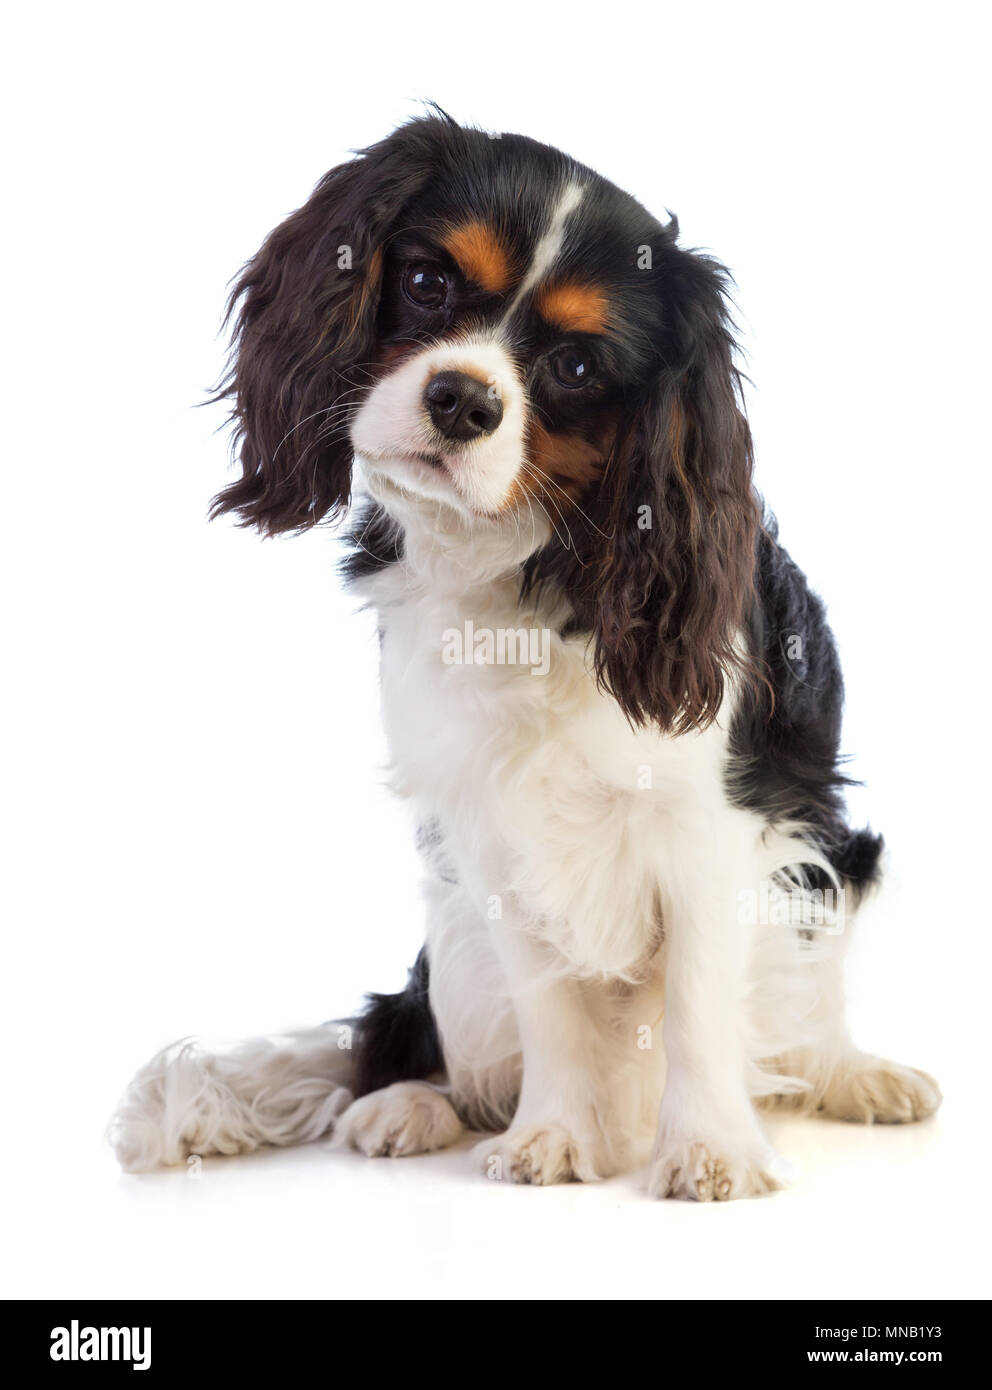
{"points": [[487, 324], [514, 320]]}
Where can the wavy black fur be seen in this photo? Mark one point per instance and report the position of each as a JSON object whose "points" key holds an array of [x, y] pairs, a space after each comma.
{"points": [[785, 735], [397, 1035]]}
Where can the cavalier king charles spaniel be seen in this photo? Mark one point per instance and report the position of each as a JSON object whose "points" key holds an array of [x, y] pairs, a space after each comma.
{"points": [[609, 694]]}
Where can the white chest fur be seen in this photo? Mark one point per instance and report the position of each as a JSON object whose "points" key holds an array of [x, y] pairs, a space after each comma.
{"points": [[550, 802]]}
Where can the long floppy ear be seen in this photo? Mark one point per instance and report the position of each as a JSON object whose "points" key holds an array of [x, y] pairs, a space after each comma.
{"points": [[676, 583], [303, 313]]}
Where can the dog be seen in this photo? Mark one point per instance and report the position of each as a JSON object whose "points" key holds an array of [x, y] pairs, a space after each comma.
{"points": [[609, 693]]}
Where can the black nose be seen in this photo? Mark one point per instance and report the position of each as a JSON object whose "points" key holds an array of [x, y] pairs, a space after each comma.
{"points": [[461, 407]]}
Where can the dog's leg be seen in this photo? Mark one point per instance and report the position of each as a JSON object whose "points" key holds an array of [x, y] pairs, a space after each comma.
{"points": [[476, 1026], [843, 1081], [709, 1143], [471, 1004], [560, 1131]]}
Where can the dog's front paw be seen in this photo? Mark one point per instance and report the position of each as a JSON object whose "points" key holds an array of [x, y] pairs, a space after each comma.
{"points": [[541, 1154], [869, 1090], [409, 1117], [705, 1170]]}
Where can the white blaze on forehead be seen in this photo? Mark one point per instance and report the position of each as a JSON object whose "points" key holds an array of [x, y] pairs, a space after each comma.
{"points": [[548, 249]]}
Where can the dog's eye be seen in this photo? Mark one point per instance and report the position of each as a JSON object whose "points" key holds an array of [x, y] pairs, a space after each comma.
{"points": [[425, 285], [573, 366]]}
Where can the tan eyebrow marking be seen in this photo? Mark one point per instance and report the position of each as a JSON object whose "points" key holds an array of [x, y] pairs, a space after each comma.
{"points": [[574, 308], [481, 255]]}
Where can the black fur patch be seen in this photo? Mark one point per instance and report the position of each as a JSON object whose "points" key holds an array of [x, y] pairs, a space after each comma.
{"points": [[785, 736], [397, 1035], [374, 540]]}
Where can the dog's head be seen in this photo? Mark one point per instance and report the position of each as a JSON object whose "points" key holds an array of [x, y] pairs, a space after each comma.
{"points": [[490, 325]]}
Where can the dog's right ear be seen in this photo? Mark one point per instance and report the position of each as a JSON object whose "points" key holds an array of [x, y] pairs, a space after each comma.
{"points": [[303, 313]]}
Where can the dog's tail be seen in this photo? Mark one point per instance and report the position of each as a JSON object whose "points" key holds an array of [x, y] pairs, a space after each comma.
{"points": [[187, 1100], [286, 1089]]}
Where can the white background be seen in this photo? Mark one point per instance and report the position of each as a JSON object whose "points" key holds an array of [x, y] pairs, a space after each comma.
{"points": [[197, 836]]}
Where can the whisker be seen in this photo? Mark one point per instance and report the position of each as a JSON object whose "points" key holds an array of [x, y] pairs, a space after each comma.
{"points": [[527, 466], [585, 515], [569, 545]]}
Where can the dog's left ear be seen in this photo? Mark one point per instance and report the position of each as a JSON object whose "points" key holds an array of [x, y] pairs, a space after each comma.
{"points": [[304, 313], [676, 583]]}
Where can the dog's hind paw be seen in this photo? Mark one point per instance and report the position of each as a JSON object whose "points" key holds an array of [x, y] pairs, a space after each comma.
{"points": [[869, 1090], [409, 1117]]}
